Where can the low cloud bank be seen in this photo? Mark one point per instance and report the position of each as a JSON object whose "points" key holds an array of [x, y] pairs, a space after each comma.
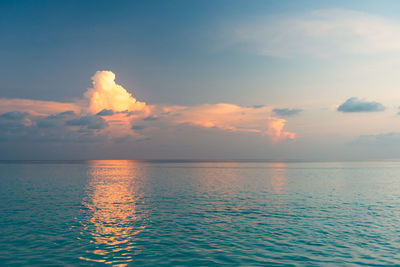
{"points": [[109, 111]]}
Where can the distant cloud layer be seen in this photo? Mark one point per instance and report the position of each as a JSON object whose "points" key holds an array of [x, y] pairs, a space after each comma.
{"points": [[109, 112], [320, 33], [354, 104], [286, 112]]}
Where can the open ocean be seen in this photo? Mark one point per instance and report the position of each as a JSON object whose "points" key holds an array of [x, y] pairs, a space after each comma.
{"points": [[68, 213]]}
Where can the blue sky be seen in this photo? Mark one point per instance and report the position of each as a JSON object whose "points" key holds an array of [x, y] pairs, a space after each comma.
{"points": [[309, 56], [163, 48]]}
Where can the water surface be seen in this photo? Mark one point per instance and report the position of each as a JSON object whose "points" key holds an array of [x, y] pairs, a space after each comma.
{"points": [[199, 213]]}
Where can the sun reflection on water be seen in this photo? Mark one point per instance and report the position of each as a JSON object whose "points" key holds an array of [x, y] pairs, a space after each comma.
{"points": [[278, 178], [115, 218]]}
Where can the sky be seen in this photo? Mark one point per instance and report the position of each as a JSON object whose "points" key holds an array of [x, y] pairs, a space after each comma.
{"points": [[209, 80]]}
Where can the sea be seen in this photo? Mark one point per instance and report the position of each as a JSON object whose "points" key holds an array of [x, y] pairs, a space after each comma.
{"points": [[172, 213]]}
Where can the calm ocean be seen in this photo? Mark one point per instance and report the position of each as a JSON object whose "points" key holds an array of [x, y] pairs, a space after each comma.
{"points": [[199, 213]]}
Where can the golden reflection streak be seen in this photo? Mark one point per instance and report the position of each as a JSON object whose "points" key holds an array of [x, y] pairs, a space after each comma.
{"points": [[278, 179], [112, 202]]}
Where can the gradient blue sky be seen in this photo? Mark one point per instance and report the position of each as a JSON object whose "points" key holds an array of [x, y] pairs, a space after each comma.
{"points": [[309, 56]]}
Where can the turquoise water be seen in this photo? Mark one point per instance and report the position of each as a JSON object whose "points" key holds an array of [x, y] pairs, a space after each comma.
{"points": [[218, 213]]}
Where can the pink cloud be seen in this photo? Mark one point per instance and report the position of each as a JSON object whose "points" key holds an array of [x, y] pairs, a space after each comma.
{"points": [[36, 107], [230, 117]]}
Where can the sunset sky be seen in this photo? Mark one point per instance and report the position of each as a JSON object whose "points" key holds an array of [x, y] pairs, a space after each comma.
{"points": [[274, 80]]}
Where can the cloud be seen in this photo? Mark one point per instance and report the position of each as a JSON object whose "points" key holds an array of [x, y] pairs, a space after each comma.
{"points": [[151, 118], [109, 112], [106, 112], [114, 103], [286, 112], [90, 121], [13, 121], [106, 94], [49, 123], [55, 120], [37, 107], [53, 128], [232, 118], [14, 115], [62, 114], [258, 106], [50, 119], [320, 33], [143, 139], [354, 104], [275, 129], [138, 127]]}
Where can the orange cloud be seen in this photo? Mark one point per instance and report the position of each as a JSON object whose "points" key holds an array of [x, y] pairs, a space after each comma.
{"points": [[275, 129], [36, 107], [230, 117], [106, 94]]}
